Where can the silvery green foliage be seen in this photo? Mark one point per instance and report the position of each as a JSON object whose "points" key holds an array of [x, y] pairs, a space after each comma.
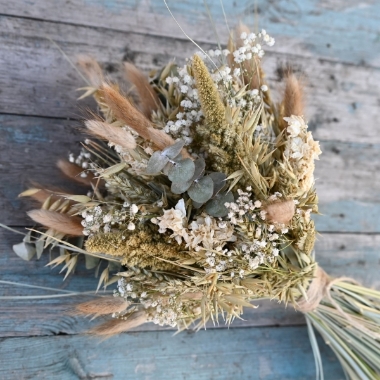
{"points": [[201, 190], [156, 163], [219, 180], [159, 159], [215, 207], [180, 185], [189, 176], [181, 171]]}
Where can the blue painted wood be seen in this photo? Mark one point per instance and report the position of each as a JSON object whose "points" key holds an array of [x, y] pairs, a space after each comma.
{"points": [[256, 354], [342, 30]]}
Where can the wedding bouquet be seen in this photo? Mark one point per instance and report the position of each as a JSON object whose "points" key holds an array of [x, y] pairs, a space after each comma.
{"points": [[200, 191]]}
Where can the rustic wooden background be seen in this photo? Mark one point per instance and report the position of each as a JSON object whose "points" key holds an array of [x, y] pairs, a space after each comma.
{"points": [[333, 44]]}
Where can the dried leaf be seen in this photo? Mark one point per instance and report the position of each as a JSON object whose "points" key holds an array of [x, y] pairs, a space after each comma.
{"points": [[201, 190], [182, 171], [24, 250]]}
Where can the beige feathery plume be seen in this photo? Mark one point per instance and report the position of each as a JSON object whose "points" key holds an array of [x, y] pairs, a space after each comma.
{"points": [[125, 111], [92, 70], [115, 135], [74, 172], [101, 306], [117, 326], [280, 212], [293, 97], [148, 97], [69, 225]]}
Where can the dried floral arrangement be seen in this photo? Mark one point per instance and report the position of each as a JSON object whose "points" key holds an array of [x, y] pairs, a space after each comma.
{"points": [[200, 195]]}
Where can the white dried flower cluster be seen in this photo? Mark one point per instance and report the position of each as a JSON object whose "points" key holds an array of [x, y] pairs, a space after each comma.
{"points": [[192, 112], [96, 219], [252, 46], [163, 308], [300, 151], [245, 101], [264, 238], [209, 236], [244, 209], [164, 311], [204, 235], [82, 160]]}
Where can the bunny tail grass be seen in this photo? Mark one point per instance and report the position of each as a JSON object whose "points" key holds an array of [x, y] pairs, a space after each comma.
{"points": [[117, 326], [69, 225], [74, 172], [292, 103], [148, 97], [115, 135], [101, 306], [92, 70]]}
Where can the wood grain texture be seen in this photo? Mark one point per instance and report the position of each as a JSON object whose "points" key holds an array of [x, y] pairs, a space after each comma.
{"points": [[340, 30], [256, 354], [36, 79]]}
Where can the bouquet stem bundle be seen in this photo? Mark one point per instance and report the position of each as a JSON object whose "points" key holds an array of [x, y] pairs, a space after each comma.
{"points": [[348, 318]]}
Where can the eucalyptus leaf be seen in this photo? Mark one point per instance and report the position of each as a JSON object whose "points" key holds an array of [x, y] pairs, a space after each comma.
{"points": [[39, 248], [156, 163], [28, 237], [200, 167], [197, 205], [167, 168], [215, 207], [201, 190], [24, 250], [180, 187], [219, 180], [182, 171], [174, 150]]}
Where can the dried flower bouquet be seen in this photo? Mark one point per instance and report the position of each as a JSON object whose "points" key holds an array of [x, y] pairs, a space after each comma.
{"points": [[201, 190]]}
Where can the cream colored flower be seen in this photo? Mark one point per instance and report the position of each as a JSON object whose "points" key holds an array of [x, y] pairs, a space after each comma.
{"points": [[206, 231], [175, 220], [300, 151]]}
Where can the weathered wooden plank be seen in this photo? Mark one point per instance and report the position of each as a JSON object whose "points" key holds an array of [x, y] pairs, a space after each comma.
{"points": [[306, 28], [340, 96], [30, 146], [257, 354], [29, 150], [339, 254]]}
